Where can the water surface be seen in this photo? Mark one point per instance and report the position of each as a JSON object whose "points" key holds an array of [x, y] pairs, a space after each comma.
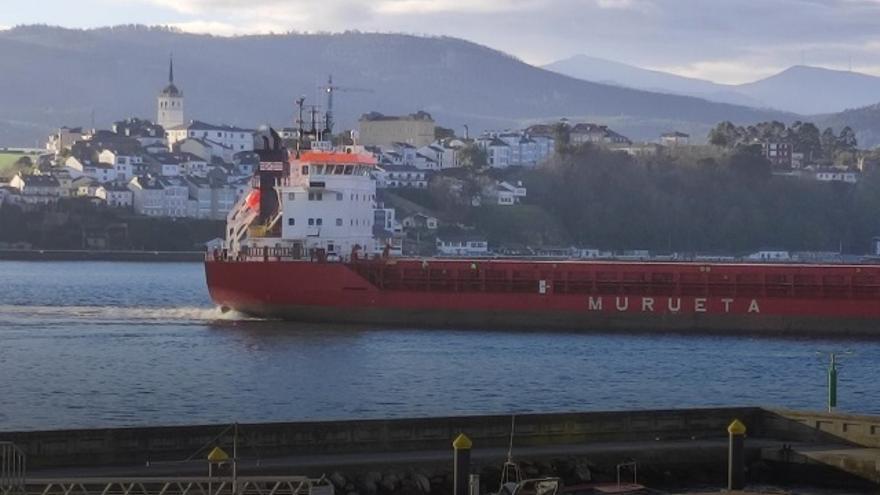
{"points": [[91, 344]]}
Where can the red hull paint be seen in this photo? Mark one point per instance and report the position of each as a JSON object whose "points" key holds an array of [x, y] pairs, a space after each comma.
{"points": [[543, 294]]}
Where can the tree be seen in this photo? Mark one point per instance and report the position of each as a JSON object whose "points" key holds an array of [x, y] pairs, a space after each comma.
{"points": [[474, 157], [561, 136], [846, 141], [806, 139], [749, 162], [24, 162], [441, 133], [829, 143], [725, 135]]}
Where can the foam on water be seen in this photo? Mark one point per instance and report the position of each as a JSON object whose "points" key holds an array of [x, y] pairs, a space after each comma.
{"points": [[43, 315]]}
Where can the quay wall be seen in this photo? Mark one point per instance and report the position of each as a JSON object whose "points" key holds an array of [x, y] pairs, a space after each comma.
{"points": [[85, 255], [819, 427], [127, 446]]}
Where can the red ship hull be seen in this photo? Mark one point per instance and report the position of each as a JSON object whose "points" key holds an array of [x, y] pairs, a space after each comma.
{"points": [[827, 299]]}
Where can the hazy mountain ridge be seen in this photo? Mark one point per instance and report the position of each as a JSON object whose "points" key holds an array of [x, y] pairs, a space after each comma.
{"points": [[799, 89], [63, 76], [602, 70], [865, 121]]}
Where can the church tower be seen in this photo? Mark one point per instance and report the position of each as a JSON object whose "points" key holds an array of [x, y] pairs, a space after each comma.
{"points": [[170, 112]]}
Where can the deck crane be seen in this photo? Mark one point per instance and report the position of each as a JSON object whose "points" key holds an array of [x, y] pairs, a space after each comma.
{"points": [[330, 88]]}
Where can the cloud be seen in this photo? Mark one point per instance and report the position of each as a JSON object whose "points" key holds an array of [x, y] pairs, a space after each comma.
{"points": [[726, 40], [728, 71]]}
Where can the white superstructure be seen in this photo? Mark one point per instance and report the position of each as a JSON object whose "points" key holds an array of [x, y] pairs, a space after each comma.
{"points": [[329, 201], [321, 205]]}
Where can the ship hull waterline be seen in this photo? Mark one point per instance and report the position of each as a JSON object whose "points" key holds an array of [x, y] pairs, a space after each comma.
{"points": [[334, 293]]}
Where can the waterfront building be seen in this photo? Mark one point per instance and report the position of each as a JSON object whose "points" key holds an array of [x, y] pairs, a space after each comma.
{"points": [[462, 245]]}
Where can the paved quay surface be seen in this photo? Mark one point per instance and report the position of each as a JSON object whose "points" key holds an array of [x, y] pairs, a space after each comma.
{"points": [[667, 451]]}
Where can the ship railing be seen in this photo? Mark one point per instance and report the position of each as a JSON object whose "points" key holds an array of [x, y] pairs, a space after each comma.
{"points": [[211, 485], [13, 469]]}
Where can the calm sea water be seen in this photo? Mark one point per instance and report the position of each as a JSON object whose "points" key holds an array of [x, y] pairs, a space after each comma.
{"points": [[86, 344]]}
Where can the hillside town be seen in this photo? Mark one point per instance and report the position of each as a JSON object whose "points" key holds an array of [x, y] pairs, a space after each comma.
{"points": [[179, 168]]}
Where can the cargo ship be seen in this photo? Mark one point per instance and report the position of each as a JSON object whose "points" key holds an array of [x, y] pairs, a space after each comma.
{"points": [[300, 246]]}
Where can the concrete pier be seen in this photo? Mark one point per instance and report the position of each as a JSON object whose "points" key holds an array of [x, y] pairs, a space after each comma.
{"points": [[670, 446]]}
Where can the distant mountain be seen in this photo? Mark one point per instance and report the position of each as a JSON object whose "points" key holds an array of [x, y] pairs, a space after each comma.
{"points": [[813, 90], [56, 76], [799, 89], [620, 74], [865, 121]]}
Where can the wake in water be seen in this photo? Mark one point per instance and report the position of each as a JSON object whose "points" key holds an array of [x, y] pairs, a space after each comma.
{"points": [[43, 315]]}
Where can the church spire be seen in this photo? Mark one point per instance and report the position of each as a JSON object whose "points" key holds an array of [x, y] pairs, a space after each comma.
{"points": [[171, 69]]}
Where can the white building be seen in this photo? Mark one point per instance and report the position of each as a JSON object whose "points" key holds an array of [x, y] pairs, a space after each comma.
{"points": [[36, 189], [429, 157], [498, 152], [84, 187], [165, 164], [170, 103], [63, 139], [596, 134], [160, 197], [213, 199], [116, 195], [505, 193], [420, 221], [462, 245], [223, 139], [123, 164], [148, 196], [769, 255], [394, 176], [101, 172], [193, 166], [675, 138], [831, 175]]}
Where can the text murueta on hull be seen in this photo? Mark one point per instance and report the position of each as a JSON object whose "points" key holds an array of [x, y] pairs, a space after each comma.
{"points": [[673, 304]]}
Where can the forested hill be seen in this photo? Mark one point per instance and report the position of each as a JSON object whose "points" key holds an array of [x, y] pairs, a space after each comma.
{"points": [[58, 76]]}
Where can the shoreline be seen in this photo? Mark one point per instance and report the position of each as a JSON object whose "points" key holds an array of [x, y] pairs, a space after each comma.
{"points": [[84, 255]]}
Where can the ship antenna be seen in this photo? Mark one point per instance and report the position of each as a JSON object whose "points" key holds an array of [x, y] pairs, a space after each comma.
{"points": [[299, 124]]}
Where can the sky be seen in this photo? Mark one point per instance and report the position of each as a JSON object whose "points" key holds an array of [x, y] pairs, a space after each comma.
{"points": [[728, 41]]}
